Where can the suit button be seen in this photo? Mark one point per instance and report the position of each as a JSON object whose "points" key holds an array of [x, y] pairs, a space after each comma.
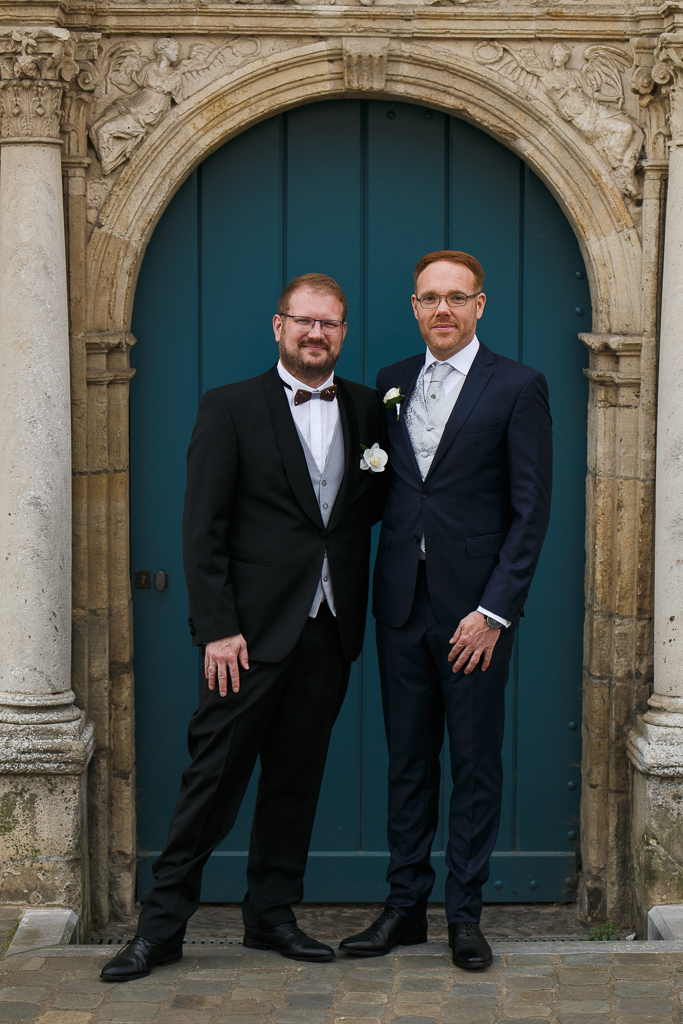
{"points": [[324, 483], [416, 539], [425, 494], [322, 534], [324, 506]]}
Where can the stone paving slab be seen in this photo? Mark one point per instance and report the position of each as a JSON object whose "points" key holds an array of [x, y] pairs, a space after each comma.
{"points": [[528, 983]]}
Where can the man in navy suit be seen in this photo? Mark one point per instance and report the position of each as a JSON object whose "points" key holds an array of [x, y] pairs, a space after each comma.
{"points": [[471, 463]]}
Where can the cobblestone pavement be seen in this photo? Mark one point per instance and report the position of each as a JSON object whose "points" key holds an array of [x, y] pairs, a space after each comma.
{"points": [[568, 983], [499, 920]]}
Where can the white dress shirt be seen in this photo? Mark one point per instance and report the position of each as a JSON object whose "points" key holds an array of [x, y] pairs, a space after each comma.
{"points": [[317, 421], [461, 363]]}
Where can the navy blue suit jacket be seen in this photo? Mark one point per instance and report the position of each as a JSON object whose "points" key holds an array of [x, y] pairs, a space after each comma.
{"points": [[483, 506]]}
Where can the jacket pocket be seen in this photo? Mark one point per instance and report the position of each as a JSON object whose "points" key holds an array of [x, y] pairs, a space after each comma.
{"points": [[490, 544], [480, 428], [249, 561], [385, 535]]}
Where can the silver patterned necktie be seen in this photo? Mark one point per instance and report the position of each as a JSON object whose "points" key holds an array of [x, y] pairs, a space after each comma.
{"points": [[435, 391]]}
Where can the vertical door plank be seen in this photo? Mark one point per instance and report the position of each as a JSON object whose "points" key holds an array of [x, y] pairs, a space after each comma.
{"points": [[163, 404], [406, 217], [551, 636], [484, 207], [241, 255], [323, 233]]}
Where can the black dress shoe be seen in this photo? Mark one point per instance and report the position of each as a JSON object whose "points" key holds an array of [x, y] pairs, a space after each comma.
{"points": [[389, 930], [137, 958], [470, 948], [289, 940]]}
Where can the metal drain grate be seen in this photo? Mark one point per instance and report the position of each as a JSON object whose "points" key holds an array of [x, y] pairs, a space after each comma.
{"points": [[118, 940]]}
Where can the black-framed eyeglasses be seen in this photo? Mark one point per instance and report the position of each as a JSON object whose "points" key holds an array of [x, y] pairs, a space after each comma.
{"points": [[453, 299], [307, 323]]}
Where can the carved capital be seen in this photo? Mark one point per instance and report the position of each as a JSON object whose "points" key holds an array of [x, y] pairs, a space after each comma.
{"points": [[365, 63], [31, 111], [668, 72], [38, 67], [651, 98]]}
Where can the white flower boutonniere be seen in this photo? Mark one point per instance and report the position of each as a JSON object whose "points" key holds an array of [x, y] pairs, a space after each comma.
{"points": [[393, 399], [374, 459]]}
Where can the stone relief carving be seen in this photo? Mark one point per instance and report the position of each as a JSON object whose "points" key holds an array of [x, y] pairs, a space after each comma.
{"points": [[37, 66], [150, 85], [651, 99], [668, 73], [590, 98], [365, 63]]}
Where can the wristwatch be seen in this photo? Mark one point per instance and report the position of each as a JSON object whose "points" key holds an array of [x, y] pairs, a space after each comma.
{"points": [[493, 623]]}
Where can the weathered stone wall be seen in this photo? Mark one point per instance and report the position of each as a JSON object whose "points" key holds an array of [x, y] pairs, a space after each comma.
{"points": [[570, 88]]}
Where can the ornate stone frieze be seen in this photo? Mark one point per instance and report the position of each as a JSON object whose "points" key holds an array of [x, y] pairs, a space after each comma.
{"points": [[591, 97], [138, 88], [365, 63]]}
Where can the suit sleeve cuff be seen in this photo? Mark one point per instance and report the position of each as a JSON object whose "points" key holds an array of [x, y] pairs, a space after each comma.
{"points": [[498, 618]]}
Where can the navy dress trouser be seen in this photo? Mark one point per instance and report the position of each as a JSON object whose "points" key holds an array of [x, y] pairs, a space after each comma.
{"points": [[420, 692]]}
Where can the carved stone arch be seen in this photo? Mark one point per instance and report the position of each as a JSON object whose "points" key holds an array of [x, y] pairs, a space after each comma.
{"points": [[573, 170], [620, 416]]}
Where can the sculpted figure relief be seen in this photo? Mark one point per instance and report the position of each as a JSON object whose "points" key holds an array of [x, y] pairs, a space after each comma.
{"points": [[152, 85], [590, 98]]}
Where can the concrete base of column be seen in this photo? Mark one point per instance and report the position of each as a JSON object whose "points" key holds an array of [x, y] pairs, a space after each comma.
{"points": [[655, 747], [43, 860]]}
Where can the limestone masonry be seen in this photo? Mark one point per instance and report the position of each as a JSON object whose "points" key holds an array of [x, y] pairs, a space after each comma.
{"points": [[106, 107]]}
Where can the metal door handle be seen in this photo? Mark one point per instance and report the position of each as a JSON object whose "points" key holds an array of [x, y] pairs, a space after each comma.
{"points": [[160, 580]]}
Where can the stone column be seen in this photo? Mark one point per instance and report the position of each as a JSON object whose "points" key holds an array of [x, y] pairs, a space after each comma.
{"points": [[45, 743], [656, 744]]}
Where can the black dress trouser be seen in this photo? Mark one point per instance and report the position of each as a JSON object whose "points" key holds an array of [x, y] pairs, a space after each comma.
{"points": [[420, 692], [284, 713]]}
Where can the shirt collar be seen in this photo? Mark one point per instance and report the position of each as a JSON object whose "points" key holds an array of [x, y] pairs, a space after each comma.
{"points": [[461, 360], [295, 384]]}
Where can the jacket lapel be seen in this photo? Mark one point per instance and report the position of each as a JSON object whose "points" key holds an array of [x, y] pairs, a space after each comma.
{"points": [[349, 423], [291, 452], [398, 430], [476, 380]]}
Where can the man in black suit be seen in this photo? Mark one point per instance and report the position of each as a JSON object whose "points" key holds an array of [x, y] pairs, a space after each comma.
{"points": [[276, 536], [462, 531]]}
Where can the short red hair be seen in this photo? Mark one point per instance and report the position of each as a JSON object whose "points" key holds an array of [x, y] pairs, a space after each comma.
{"points": [[452, 256]]}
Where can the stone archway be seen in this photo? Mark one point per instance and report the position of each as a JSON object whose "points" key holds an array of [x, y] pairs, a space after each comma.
{"points": [[621, 414], [573, 170]]}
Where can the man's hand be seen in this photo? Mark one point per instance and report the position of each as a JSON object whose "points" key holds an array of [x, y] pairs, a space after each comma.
{"points": [[472, 641], [223, 656]]}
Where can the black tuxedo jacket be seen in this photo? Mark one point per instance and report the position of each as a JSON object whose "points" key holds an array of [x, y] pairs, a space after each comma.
{"points": [[253, 537], [485, 503]]}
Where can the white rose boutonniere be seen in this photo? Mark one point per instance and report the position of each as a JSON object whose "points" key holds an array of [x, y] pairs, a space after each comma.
{"points": [[374, 459], [393, 399]]}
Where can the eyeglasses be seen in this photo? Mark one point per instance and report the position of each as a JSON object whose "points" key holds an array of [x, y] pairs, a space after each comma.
{"points": [[453, 299], [307, 323]]}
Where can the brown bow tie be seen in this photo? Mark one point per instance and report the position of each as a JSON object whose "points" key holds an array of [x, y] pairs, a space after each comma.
{"points": [[328, 395]]}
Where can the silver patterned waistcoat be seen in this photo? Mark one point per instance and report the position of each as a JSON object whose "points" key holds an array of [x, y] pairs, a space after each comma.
{"points": [[426, 422]]}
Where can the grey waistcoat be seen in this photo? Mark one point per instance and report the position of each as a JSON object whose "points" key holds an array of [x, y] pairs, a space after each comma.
{"points": [[326, 484]]}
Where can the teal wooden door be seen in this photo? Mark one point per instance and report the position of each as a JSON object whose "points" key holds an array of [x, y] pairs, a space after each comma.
{"points": [[360, 190]]}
